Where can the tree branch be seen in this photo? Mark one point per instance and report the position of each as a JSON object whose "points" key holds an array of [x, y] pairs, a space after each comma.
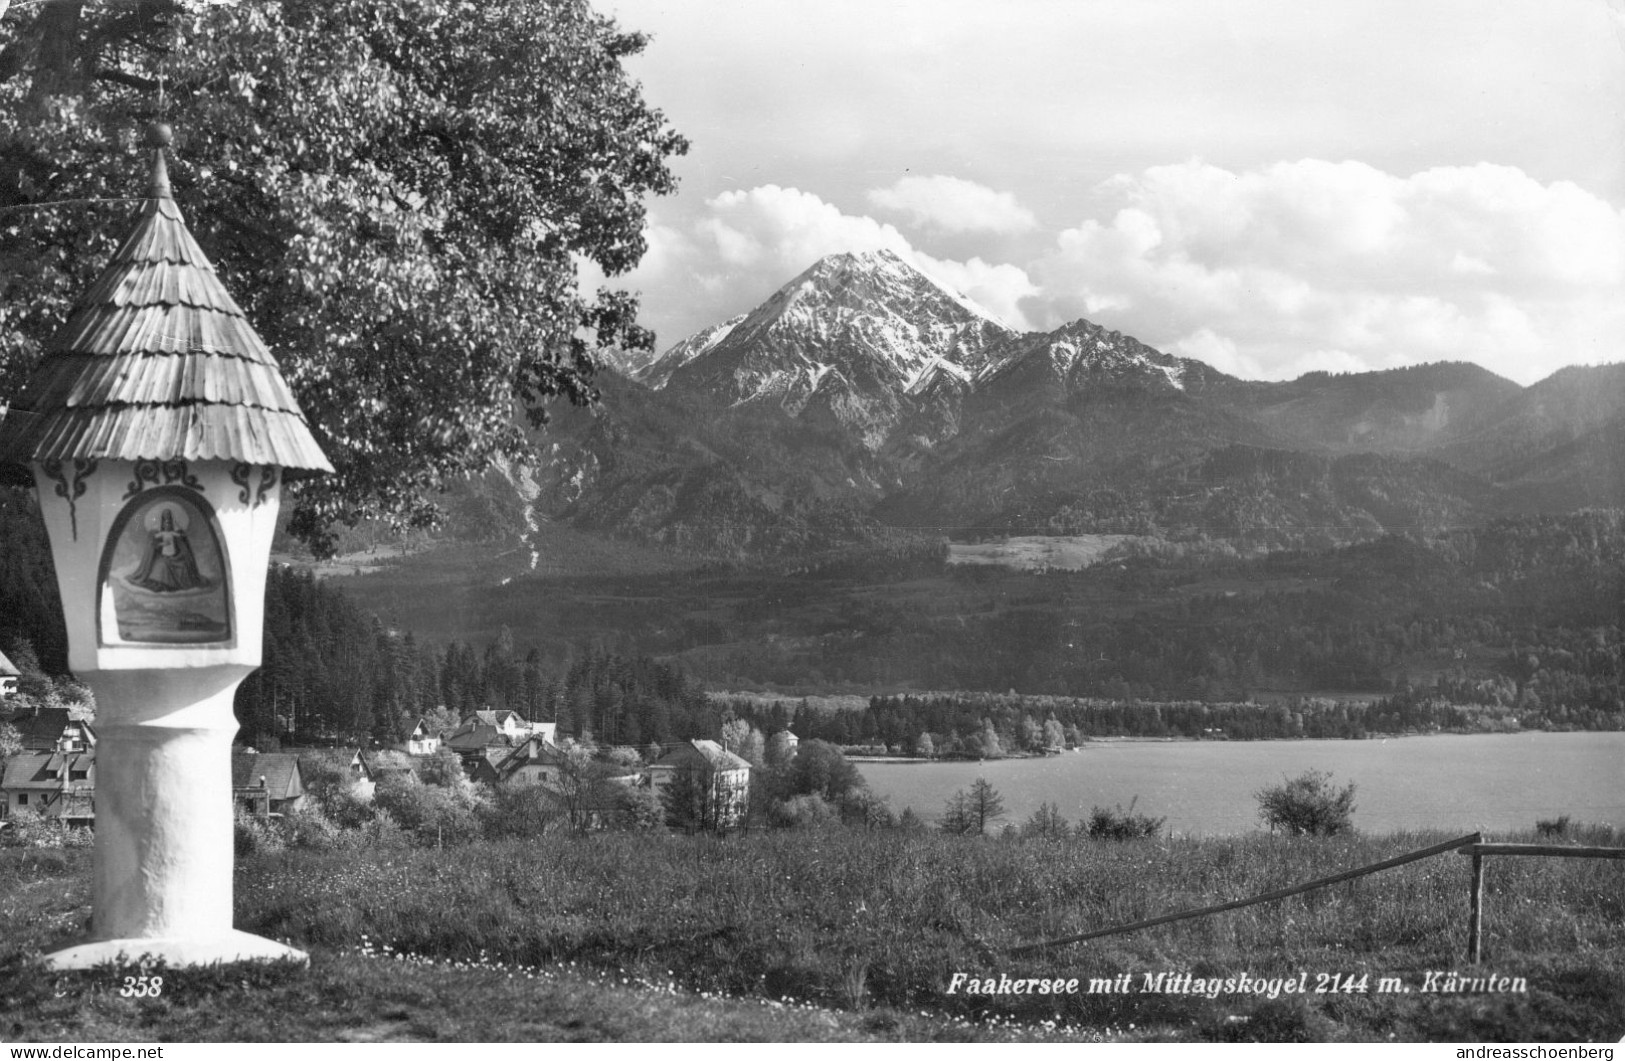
{"points": [[145, 84]]}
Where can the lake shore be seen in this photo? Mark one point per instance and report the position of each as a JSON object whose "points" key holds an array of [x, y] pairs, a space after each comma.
{"points": [[1466, 781]]}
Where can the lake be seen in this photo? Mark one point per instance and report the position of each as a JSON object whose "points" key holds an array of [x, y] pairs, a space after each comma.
{"points": [[1490, 782]]}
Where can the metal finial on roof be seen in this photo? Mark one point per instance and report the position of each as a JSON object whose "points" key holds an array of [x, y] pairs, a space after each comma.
{"points": [[159, 137]]}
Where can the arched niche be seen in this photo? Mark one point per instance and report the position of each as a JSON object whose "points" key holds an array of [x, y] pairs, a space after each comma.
{"points": [[164, 577]]}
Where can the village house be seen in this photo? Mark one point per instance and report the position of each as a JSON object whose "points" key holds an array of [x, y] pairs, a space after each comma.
{"points": [[722, 779], [266, 783], [507, 723], [536, 761], [52, 784], [361, 779], [422, 742], [8, 676]]}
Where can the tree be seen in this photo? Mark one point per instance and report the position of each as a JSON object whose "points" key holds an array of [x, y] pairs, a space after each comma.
{"points": [[690, 801], [582, 777], [1307, 805], [984, 803], [398, 193], [925, 747], [734, 732], [988, 746], [969, 812], [1046, 823], [11, 742], [753, 749], [957, 819], [820, 769]]}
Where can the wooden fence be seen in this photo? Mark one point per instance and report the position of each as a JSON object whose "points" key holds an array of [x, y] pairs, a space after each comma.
{"points": [[1471, 844], [1475, 923]]}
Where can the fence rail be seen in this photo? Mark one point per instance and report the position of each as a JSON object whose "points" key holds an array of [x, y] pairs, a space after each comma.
{"points": [[1280, 893], [1475, 917], [1547, 850]]}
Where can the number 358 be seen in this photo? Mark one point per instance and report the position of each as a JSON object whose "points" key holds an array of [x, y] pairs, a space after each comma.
{"points": [[142, 987]]}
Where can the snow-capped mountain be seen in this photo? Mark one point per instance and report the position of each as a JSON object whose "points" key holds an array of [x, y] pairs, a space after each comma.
{"points": [[870, 343], [848, 340], [1082, 356]]}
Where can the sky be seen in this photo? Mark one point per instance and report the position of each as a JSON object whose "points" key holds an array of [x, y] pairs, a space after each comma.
{"points": [[1271, 186]]}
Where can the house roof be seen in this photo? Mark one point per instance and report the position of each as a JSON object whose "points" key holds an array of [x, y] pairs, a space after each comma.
{"points": [[701, 752], [44, 726], [472, 736], [280, 770], [157, 361], [32, 771], [496, 717], [534, 750], [8, 669], [360, 759]]}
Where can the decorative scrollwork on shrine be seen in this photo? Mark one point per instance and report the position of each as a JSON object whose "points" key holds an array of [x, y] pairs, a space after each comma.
{"points": [[164, 472], [240, 474], [268, 476], [70, 485], [145, 472], [175, 472]]}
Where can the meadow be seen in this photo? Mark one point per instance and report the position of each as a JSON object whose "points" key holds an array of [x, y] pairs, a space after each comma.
{"points": [[840, 933]]}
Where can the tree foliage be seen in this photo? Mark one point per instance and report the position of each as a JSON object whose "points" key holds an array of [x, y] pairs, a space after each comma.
{"points": [[398, 192], [1307, 805]]}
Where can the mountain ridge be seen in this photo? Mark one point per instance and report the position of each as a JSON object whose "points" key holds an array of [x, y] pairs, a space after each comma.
{"points": [[863, 385]]}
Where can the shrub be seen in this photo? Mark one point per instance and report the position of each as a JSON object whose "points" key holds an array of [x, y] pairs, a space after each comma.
{"points": [[347, 808], [862, 807], [522, 812], [308, 827], [809, 811], [252, 835], [638, 807], [1307, 805], [1120, 824], [436, 815], [31, 829]]}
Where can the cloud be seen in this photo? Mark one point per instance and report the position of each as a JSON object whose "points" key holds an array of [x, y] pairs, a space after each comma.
{"points": [[786, 230], [953, 205], [1265, 273], [749, 243], [1312, 264], [997, 288]]}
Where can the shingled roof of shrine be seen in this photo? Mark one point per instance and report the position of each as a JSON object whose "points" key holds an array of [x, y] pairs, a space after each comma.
{"points": [[157, 361]]}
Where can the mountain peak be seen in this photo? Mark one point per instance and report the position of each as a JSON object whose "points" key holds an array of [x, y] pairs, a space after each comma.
{"points": [[880, 276], [850, 336]]}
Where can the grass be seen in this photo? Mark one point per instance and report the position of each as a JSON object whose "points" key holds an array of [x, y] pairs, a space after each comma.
{"points": [[838, 934]]}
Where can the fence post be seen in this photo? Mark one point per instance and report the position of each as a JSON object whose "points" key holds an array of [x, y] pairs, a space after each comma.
{"points": [[1475, 923]]}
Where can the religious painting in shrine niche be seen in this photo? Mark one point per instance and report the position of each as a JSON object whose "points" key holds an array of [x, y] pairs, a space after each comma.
{"points": [[166, 574]]}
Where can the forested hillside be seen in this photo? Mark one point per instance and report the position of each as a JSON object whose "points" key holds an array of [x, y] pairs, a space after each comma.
{"points": [[1518, 622]]}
